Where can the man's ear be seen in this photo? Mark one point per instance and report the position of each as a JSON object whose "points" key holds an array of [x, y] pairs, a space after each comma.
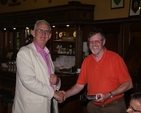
{"points": [[50, 35], [104, 41], [33, 33]]}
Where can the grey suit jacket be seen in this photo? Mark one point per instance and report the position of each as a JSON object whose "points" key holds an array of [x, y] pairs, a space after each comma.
{"points": [[33, 91]]}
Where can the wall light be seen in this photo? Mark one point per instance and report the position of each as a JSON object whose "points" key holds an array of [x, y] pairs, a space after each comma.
{"points": [[140, 6], [27, 28], [53, 26], [14, 28], [67, 25]]}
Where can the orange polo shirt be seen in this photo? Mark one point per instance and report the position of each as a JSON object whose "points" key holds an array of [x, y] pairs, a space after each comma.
{"points": [[103, 76]]}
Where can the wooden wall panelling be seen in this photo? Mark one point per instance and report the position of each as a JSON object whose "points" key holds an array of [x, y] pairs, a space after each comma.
{"points": [[133, 56], [6, 40], [69, 12], [126, 38], [78, 47], [112, 42], [120, 40], [1, 43], [139, 71], [22, 36], [113, 35], [86, 30], [137, 87]]}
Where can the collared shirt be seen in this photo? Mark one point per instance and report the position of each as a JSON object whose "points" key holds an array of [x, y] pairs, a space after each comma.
{"points": [[44, 52], [104, 75]]}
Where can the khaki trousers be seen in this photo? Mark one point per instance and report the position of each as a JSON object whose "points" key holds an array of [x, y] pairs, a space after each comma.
{"points": [[116, 106]]}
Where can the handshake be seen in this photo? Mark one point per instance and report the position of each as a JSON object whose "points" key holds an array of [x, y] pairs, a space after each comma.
{"points": [[60, 96]]}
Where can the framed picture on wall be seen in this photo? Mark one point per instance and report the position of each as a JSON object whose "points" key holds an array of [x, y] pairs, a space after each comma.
{"points": [[117, 4], [134, 9]]}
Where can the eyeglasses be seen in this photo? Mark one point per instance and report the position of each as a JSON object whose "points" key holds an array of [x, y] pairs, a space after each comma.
{"points": [[43, 31], [133, 110], [96, 41]]}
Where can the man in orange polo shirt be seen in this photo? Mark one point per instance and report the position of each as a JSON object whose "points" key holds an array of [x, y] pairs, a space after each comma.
{"points": [[105, 74]]}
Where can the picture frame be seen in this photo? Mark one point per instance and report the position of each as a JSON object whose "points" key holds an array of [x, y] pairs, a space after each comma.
{"points": [[134, 8], [115, 4]]}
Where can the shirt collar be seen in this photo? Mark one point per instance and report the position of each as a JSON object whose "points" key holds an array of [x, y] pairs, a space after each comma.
{"points": [[39, 49]]}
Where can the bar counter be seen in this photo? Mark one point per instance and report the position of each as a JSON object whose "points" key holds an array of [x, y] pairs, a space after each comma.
{"points": [[71, 105]]}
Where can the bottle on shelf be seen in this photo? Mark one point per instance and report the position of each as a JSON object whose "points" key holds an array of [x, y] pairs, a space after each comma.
{"points": [[70, 49], [56, 35]]}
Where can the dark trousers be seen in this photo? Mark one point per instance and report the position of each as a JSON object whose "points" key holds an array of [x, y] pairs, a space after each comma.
{"points": [[116, 106]]}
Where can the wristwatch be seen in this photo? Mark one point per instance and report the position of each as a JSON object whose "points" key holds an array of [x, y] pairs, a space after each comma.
{"points": [[111, 95]]}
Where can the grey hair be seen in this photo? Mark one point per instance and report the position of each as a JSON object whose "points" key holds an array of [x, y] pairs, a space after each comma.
{"points": [[42, 21]]}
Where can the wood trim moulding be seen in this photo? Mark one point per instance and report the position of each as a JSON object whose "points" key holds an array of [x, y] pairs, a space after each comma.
{"points": [[63, 13], [14, 4], [118, 20]]}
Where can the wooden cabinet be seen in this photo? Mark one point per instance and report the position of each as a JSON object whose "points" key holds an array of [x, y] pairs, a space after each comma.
{"points": [[73, 14], [67, 46], [11, 39], [8, 41], [64, 40]]}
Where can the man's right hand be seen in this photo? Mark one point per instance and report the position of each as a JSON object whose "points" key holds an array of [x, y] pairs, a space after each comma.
{"points": [[59, 96]]}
